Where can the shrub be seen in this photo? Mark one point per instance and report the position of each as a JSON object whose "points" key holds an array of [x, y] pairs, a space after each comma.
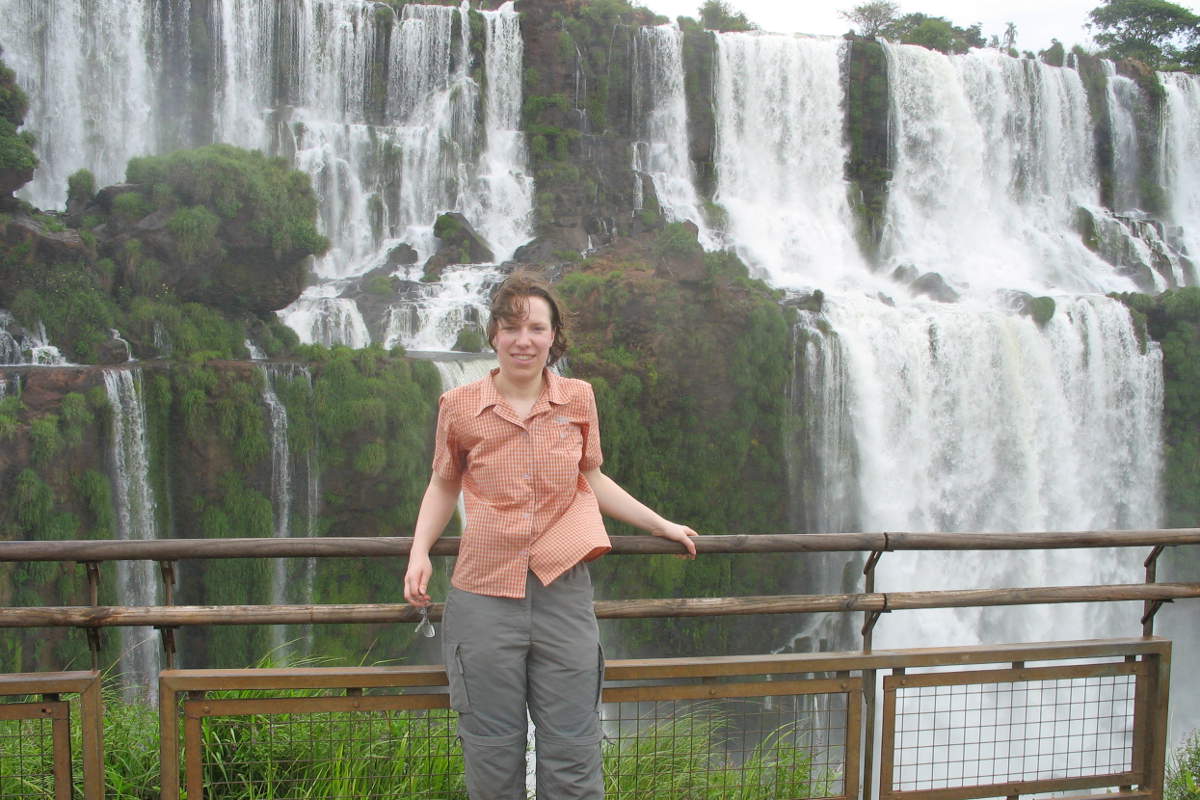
{"points": [[1183, 771], [81, 187], [195, 231]]}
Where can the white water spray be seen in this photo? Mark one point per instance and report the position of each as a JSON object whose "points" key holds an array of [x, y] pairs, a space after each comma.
{"points": [[780, 158], [133, 495], [660, 114]]}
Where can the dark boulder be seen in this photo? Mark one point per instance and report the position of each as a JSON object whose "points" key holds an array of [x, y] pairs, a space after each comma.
{"points": [[458, 243]]}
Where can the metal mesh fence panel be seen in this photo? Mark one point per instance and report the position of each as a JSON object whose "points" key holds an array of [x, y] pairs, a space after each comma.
{"points": [[1013, 731], [333, 755], [27, 752], [749, 748]]}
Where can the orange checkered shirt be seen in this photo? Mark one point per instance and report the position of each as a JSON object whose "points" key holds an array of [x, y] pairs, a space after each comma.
{"points": [[528, 505]]}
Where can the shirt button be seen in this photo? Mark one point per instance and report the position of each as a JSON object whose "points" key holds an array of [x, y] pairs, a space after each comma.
{"points": [[526, 476], [527, 515]]}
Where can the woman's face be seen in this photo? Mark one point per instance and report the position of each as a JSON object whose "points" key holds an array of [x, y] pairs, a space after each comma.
{"points": [[523, 344]]}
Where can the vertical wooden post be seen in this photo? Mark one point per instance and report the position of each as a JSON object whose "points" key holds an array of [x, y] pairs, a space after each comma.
{"points": [[168, 739], [92, 708]]}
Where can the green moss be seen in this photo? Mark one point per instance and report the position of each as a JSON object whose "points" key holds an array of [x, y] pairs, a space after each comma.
{"points": [[1043, 310], [1173, 320], [675, 240], [380, 286], [689, 383], [81, 187], [469, 340], [46, 440], [195, 231], [241, 421], [93, 488], [266, 199], [868, 168], [129, 207]]}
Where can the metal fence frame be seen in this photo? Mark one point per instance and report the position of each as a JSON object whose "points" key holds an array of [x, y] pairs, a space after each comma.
{"points": [[854, 673], [50, 686], [183, 697]]}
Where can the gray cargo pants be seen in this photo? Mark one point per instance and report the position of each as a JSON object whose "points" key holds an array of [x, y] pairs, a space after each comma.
{"points": [[540, 652]]}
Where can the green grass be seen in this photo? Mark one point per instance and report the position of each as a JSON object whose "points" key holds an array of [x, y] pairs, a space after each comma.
{"points": [[1183, 771], [683, 759], [336, 756]]}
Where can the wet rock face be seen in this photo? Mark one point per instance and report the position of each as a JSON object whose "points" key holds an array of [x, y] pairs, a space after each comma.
{"points": [[42, 244], [459, 243]]}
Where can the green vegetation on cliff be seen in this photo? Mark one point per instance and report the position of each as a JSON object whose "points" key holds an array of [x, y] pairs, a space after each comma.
{"points": [[17, 159], [689, 378], [188, 262], [1173, 320], [259, 198]]}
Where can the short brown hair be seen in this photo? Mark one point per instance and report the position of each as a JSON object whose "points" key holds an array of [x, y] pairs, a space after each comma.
{"points": [[509, 305]]}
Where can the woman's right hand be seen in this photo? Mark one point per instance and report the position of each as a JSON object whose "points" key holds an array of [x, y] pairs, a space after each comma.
{"points": [[416, 580]]}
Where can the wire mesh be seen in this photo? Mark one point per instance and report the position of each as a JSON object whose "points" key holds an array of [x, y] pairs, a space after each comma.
{"points": [[26, 756], [333, 755], [1005, 732], [771, 747]]}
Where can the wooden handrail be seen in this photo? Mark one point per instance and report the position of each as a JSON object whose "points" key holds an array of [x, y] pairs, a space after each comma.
{"points": [[359, 546], [172, 616]]}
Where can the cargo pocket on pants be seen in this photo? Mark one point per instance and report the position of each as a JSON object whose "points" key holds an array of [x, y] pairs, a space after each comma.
{"points": [[599, 675], [460, 700]]}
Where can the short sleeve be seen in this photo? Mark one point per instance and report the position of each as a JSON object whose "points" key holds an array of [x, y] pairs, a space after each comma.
{"points": [[447, 460], [592, 456]]}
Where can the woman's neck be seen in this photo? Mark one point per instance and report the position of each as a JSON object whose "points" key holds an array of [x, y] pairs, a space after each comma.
{"points": [[519, 391]]}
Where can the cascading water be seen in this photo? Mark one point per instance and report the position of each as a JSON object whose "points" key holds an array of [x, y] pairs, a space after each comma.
{"points": [[780, 157], [381, 111], [433, 320], [660, 113], [26, 347], [91, 82], [1123, 100], [968, 420], [502, 199], [969, 415], [1181, 162], [289, 584], [133, 496], [992, 157]]}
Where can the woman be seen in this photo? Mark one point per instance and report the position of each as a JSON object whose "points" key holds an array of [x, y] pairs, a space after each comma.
{"points": [[523, 446]]}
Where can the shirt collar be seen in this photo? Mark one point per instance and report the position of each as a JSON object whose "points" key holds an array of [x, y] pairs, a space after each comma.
{"points": [[555, 390]]}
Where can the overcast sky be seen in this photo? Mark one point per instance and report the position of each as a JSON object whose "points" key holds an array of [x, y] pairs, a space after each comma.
{"points": [[1037, 21]]}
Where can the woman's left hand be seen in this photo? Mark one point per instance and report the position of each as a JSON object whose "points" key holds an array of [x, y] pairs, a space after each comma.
{"points": [[677, 533]]}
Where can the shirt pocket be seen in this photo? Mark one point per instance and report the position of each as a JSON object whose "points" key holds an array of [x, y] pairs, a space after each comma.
{"points": [[566, 440]]}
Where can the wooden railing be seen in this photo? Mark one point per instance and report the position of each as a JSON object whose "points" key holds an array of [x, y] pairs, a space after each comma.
{"points": [[831, 696]]}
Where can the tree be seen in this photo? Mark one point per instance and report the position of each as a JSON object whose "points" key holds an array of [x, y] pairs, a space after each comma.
{"points": [[936, 33], [1159, 33], [871, 18], [717, 15], [1010, 36]]}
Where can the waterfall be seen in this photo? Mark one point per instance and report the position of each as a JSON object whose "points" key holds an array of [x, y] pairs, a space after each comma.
{"points": [[992, 156], [320, 316], [90, 78], [379, 107], [927, 417], [1123, 100], [1181, 163], [660, 114], [780, 157], [288, 584], [129, 461], [502, 201], [433, 320], [461, 371]]}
